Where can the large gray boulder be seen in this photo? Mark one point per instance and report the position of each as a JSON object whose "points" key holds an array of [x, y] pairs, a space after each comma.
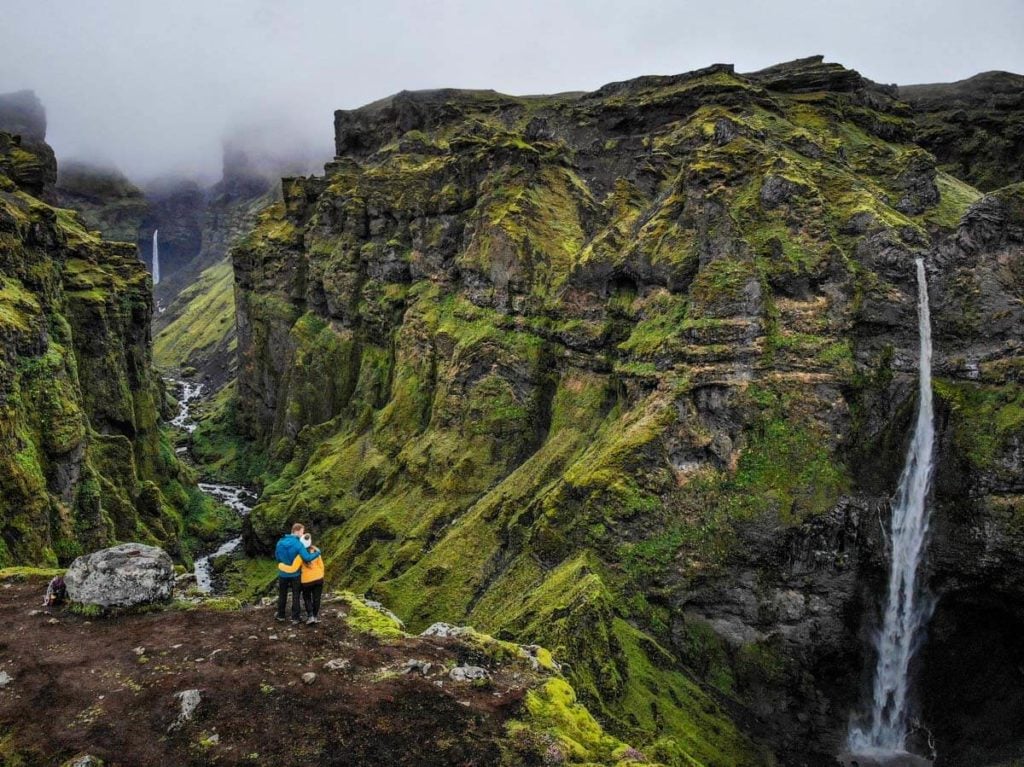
{"points": [[121, 576]]}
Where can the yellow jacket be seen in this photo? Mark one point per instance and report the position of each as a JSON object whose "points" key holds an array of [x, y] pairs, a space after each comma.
{"points": [[313, 571]]}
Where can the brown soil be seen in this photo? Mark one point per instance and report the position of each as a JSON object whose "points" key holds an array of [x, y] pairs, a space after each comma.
{"points": [[79, 686]]}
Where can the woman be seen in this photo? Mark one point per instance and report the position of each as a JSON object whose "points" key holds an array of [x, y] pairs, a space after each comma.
{"points": [[312, 581]]}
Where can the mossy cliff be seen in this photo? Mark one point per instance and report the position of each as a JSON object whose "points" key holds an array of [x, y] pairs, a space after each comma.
{"points": [[82, 459], [628, 374], [975, 127]]}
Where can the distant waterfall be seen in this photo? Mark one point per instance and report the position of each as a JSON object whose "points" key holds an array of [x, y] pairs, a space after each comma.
{"points": [[156, 256], [906, 609]]}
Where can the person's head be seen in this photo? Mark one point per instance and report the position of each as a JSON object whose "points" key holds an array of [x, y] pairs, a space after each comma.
{"points": [[298, 529]]}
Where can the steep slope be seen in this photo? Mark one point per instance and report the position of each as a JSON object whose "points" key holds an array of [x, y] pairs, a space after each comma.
{"points": [[974, 127], [628, 373], [82, 459]]}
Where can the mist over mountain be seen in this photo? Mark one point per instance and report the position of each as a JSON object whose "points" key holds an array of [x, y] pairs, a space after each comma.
{"points": [[153, 90]]}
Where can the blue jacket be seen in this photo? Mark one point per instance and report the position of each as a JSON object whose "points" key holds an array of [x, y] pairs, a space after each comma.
{"points": [[290, 554]]}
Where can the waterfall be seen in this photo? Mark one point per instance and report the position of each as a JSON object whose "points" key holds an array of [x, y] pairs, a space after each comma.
{"points": [[156, 256], [907, 609]]}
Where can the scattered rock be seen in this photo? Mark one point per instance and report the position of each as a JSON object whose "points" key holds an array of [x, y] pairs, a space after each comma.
{"points": [[121, 576], [414, 666], [85, 760], [189, 701], [53, 621], [309, 677], [35, 612], [446, 630], [140, 650], [338, 664], [5, 679], [468, 674]]}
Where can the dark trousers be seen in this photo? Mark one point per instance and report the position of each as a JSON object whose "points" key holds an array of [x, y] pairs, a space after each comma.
{"points": [[311, 596], [285, 585]]}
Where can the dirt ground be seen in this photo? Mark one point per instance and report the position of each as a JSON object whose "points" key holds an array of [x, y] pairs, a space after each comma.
{"points": [[107, 687]]}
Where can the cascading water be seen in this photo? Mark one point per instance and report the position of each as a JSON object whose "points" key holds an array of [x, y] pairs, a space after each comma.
{"points": [[156, 256], [907, 609]]}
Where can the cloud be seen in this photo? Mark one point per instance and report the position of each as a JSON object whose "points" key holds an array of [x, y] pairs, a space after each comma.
{"points": [[155, 87]]}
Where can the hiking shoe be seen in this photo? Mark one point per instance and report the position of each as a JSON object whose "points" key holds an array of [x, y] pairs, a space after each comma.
{"points": [[280, 618], [311, 620]]}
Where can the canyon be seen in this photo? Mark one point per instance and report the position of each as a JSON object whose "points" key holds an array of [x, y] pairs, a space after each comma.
{"points": [[629, 375]]}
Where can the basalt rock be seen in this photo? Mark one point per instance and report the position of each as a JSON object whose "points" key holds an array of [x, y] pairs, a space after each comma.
{"points": [[82, 460], [28, 160], [630, 374], [974, 127]]}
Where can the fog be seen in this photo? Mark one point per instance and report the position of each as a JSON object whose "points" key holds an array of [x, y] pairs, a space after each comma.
{"points": [[155, 87]]}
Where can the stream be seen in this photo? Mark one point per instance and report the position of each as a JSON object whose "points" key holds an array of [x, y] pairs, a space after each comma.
{"points": [[238, 498]]}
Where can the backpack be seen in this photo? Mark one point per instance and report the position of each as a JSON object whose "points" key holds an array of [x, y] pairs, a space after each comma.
{"points": [[56, 592]]}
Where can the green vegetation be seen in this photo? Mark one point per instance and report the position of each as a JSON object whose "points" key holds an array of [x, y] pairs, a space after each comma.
{"points": [[206, 326]]}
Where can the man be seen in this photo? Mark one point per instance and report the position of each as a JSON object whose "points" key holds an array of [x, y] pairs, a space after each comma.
{"points": [[290, 554]]}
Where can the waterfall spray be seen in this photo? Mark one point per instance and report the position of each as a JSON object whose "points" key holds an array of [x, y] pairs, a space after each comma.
{"points": [[156, 256], [906, 609]]}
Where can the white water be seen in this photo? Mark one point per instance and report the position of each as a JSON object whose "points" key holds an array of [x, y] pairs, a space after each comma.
{"points": [[190, 392], [907, 609], [238, 499], [156, 256]]}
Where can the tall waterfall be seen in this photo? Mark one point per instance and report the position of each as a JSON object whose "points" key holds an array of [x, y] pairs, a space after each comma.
{"points": [[907, 610], [156, 256]]}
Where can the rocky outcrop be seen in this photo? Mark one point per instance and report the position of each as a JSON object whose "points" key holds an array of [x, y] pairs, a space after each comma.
{"points": [[126, 575], [82, 459], [107, 201], [974, 127], [630, 374], [28, 160]]}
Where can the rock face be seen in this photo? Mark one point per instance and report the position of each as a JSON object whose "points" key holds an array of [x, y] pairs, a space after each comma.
{"points": [[107, 201], [974, 127], [82, 460], [29, 161], [122, 576], [630, 374]]}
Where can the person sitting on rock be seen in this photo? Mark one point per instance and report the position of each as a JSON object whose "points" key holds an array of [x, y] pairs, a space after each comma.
{"points": [[312, 581], [290, 554]]}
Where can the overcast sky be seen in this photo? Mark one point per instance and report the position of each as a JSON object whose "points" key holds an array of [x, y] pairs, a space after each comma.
{"points": [[153, 86]]}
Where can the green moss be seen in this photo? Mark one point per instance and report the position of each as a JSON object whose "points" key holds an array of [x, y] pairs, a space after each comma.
{"points": [[250, 579], [369, 620], [986, 419], [29, 572], [205, 326]]}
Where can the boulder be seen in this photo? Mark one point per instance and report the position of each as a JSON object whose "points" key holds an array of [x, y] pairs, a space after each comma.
{"points": [[468, 674], [121, 576]]}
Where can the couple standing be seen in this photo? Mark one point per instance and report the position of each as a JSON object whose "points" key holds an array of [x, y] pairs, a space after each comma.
{"points": [[300, 570]]}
